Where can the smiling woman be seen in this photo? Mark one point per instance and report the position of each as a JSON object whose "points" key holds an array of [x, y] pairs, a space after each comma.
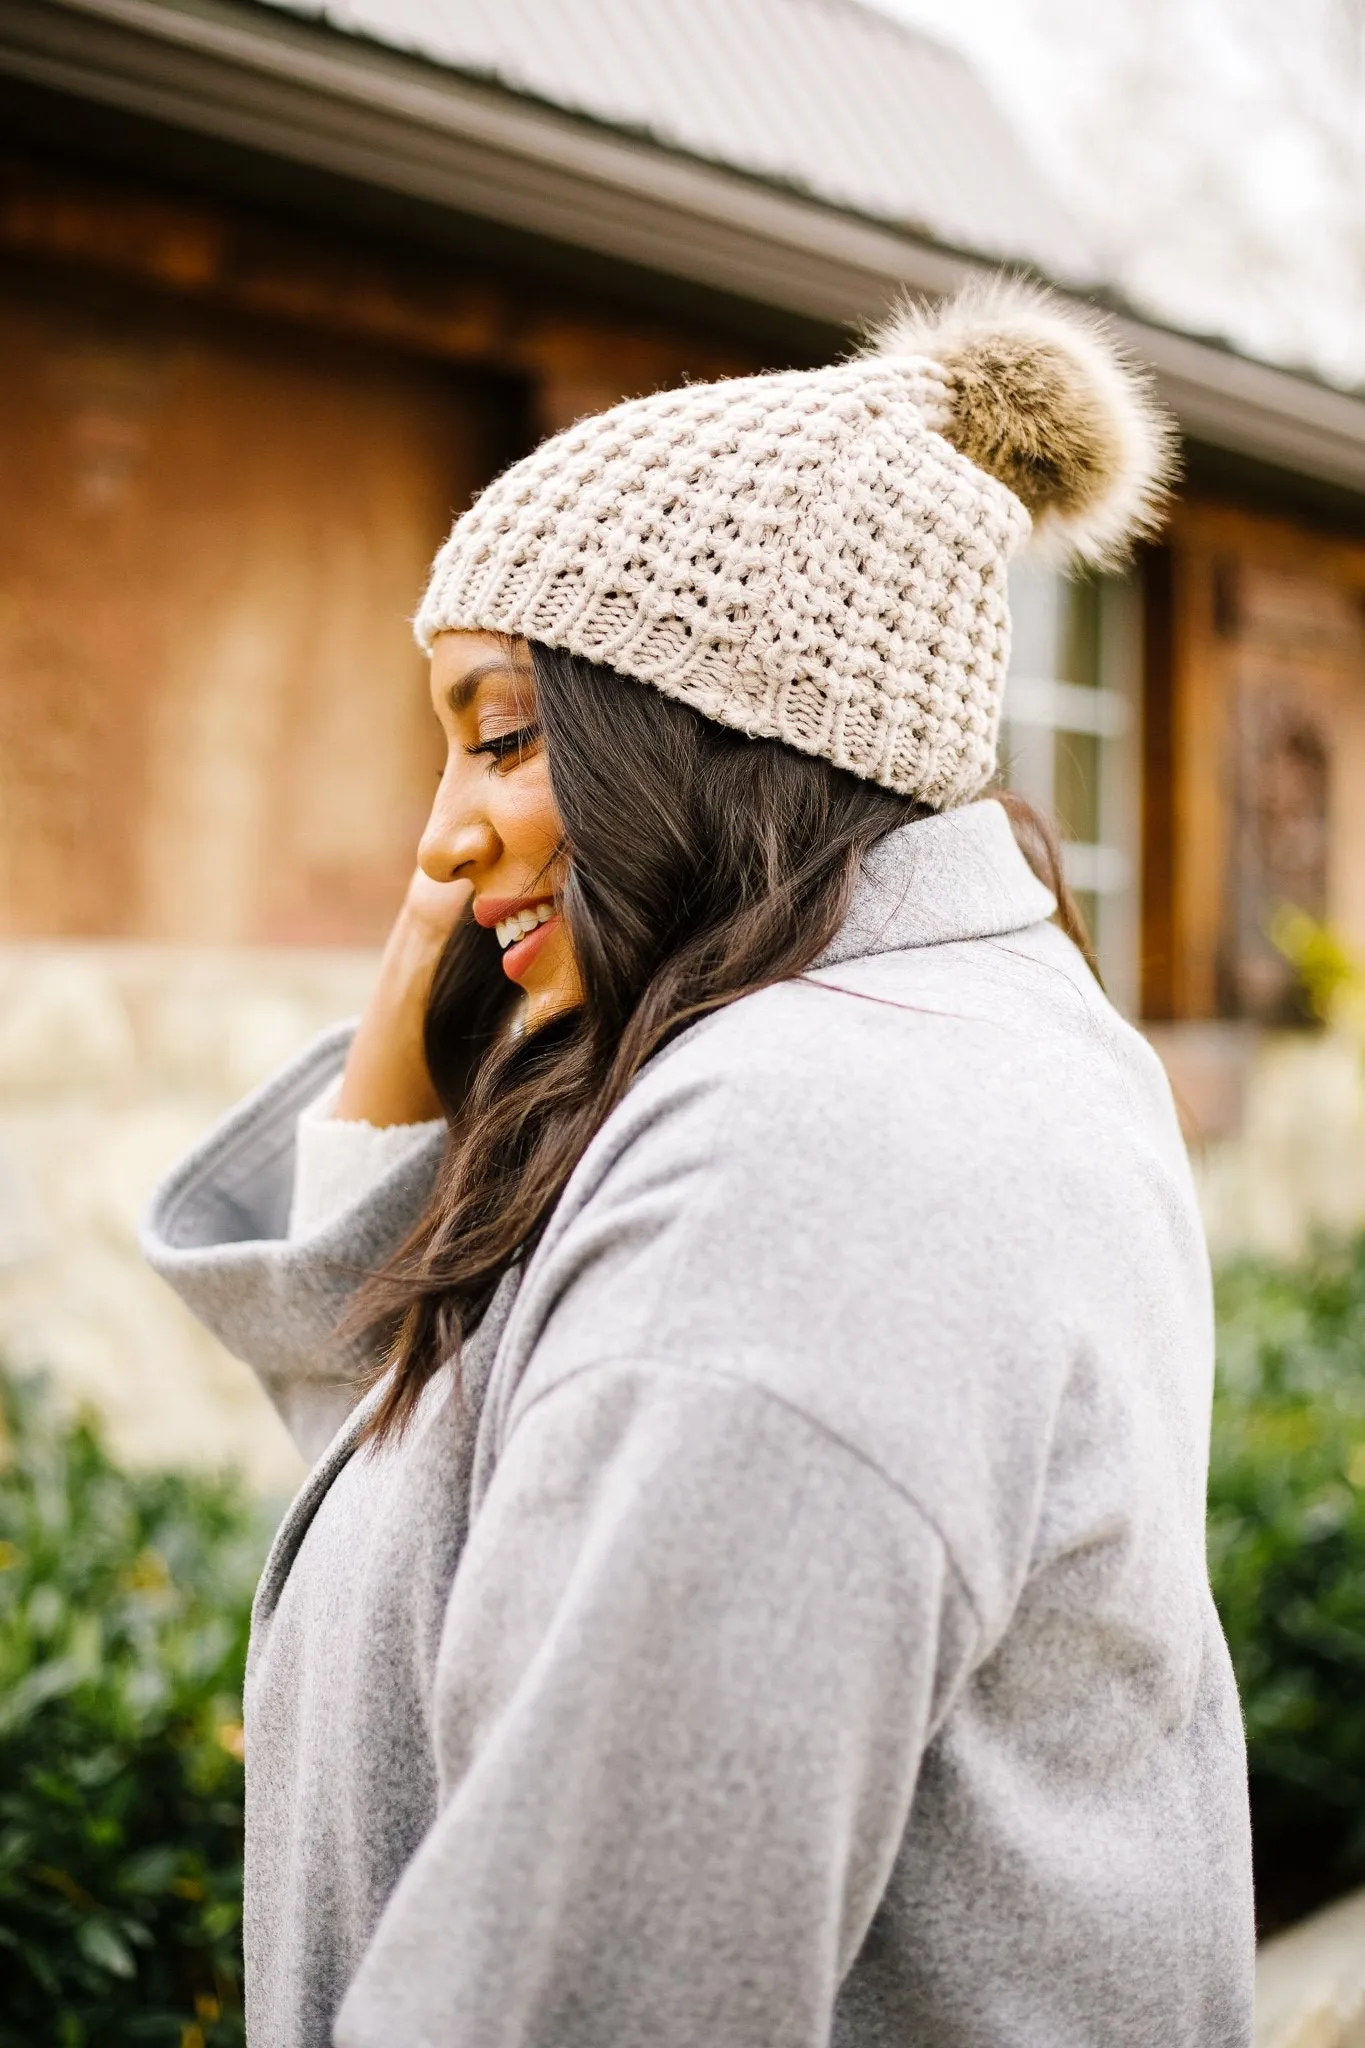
{"points": [[761, 1596], [493, 848], [494, 822], [609, 812]]}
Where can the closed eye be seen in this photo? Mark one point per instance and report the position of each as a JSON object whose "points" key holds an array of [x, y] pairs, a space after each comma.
{"points": [[501, 746]]}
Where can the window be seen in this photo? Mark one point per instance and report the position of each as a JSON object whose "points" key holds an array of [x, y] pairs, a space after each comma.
{"points": [[1070, 744]]}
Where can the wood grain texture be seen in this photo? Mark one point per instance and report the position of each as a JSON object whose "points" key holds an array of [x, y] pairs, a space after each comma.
{"points": [[587, 352], [213, 723], [230, 448], [1260, 620]]}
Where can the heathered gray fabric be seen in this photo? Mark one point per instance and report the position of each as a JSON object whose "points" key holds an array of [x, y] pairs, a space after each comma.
{"points": [[794, 1630]]}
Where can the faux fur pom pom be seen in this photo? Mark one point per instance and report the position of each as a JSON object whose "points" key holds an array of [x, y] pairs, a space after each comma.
{"points": [[1043, 397]]}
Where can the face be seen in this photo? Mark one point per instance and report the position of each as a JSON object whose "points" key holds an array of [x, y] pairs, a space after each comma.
{"points": [[494, 822]]}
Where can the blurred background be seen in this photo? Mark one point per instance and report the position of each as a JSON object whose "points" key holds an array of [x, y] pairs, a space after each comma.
{"points": [[282, 286]]}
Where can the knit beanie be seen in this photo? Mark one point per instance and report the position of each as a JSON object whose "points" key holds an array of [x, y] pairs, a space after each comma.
{"points": [[819, 556]]}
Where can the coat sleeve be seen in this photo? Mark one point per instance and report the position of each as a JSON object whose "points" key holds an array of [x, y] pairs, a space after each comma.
{"points": [[692, 1657], [218, 1229]]}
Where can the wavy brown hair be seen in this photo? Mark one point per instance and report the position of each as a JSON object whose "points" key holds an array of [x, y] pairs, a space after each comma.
{"points": [[702, 866]]}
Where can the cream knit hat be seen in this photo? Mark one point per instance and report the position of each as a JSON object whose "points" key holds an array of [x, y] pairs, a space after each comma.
{"points": [[819, 556]]}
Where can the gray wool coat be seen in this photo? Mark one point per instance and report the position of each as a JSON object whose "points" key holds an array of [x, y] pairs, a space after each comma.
{"points": [[790, 1629]]}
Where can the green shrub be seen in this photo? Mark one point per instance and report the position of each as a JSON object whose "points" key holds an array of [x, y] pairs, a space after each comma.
{"points": [[123, 1618], [1287, 1557]]}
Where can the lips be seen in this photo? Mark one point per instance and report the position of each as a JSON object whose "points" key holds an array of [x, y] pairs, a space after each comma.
{"points": [[522, 924], [518, 956]]}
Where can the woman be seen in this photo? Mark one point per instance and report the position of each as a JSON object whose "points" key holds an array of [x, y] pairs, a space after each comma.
{"points": [[759, 1601]]}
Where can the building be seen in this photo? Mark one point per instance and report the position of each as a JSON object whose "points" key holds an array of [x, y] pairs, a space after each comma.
{"points": [[283, 286]]}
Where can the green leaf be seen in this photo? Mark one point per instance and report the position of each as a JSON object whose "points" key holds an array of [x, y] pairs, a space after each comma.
{"points": [[100, 1944]]}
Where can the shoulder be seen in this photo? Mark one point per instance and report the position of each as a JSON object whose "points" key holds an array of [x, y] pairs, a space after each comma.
{"points": [[896, 1204], [928, 1066], [909, 1141]]}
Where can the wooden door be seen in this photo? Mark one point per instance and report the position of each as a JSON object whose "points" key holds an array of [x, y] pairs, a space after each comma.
{"points": [[1255, 796]]}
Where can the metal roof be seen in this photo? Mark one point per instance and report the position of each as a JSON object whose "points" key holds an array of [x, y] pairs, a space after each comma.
{"points": [[826, 97], [279, 78]]}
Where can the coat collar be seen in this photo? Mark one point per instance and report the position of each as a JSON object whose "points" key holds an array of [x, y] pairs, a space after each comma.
{"points": [[958, 875]]}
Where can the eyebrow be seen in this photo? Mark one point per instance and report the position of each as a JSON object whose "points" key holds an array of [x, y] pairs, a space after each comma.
{"points": [[460, 695]]}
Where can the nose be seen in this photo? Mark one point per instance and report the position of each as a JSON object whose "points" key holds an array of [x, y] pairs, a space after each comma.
{"points": [[457, 840]]}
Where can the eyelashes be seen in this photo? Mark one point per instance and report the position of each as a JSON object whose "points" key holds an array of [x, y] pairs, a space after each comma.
{"points": [[503, 745]]}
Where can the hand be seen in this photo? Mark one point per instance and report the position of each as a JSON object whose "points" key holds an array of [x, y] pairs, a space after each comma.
{"points": [[433, 909], [385, 1079]]}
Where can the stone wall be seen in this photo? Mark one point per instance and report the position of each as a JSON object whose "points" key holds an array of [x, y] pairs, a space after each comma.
{"points": [[114, 1058], [1275, 1121], [1310, 1982]]}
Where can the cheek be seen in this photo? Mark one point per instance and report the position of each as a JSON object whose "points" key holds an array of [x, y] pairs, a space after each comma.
{"points": [[523, 811]]}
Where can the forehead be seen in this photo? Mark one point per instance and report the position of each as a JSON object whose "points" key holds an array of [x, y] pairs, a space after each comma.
{"points": [[461, 662]]}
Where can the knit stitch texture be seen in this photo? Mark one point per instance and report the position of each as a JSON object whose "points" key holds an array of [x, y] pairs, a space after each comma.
{"points": [[803, 557]]}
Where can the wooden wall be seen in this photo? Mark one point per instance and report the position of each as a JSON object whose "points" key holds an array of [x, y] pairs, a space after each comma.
{"points": [[229, 450], [211, 716]]}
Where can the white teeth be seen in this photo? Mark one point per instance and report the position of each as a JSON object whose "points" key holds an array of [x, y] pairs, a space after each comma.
{"points": [[522, 921]]}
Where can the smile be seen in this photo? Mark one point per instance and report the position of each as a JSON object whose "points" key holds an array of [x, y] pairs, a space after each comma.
{"points": [[514, 928]]}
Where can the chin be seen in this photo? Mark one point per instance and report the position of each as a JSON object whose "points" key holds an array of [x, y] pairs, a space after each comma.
{"points": [[547, 1000]]}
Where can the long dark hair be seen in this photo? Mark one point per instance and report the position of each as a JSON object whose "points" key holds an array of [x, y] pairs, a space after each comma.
{"points": [[702, 865]]}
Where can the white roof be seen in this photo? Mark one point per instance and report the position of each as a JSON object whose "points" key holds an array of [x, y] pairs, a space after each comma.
{"points": [[826, 97]]}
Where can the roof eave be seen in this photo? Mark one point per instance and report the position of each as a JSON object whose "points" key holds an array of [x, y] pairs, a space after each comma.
{"points": [[308, 95]]}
